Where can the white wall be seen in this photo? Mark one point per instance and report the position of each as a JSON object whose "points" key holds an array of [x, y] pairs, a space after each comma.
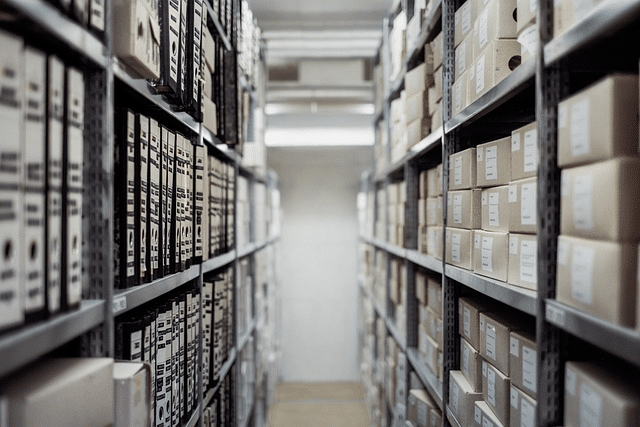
{"points": [[319, 260]]}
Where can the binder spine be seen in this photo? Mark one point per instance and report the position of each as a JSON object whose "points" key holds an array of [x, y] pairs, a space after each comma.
{"points": [[194, 43], [188, 202], [182, 355], [184, 39], [198, 184], [169, 47], [175, 364], [170, 205], [97, 17], [141, 206], [164, 172], [178, 203], [154, 199]]}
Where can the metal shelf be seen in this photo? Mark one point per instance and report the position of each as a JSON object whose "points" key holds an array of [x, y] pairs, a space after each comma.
{"points": [[245, 337], [195, 417], [218, 26], [25, 345], [520, 79], [607, 18], [392, 249], [522, 299], [396, 85], [62, 27], [425, 261], [425, 374], [217, 262], [452, 418], [255, 247], [430, 142], [395, 333], [426, 32], [224, 371], [618, 340]]}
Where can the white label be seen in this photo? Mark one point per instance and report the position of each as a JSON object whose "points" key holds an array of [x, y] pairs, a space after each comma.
{"points": [[514, 346], [579, 139], [590, 407], [480, 74], [479, 153], [477, 415], [491, 387], [570, 381], [466, 353], [555, 315], [455, 247], [494, 209], [455, 396], [466, 17], [486, 422], [528, 207], [461, 59], [562, 116], [457, 97], [483, 29], [531, 150], [514, 398], [513, 244], [476, 241], [136, 346], [529, 261], [565, 186], [513, 193], [491, 163], [582, 274], [467, 322], [485, 198], [491, 341], [457, 209], [528, 39], [529, 368], [487, 254], [457, 170], [515, 142], [484, 369], [582, 202], [119, 304], [563, 252], [527, 414]]}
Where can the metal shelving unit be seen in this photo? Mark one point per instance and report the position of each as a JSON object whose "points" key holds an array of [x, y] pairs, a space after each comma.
{"points": [[425, 261], [218, 262], [224, 371], [426, 32], [425, 374]]}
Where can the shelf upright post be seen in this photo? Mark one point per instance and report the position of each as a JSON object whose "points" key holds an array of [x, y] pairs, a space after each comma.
{"points": [[551, 87], [411, 239]]}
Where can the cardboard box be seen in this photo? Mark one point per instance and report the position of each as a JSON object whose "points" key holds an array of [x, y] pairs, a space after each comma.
{"points": [[459, 247], [523, 361], [566, 13], [497, 20], [471, 365], [495, 338], [469, 310], [420, 403], [464, 56], [132, 386], [464, 209], [462, 169], [495, 209], [210, 119], [460, 94], [423, 185], [483, 416], [434, 178], [397, 109], [492, 65], [598, 277], [35, 396], [437, 47], [209, 50], [434, 295], [434, 211], [523, 208], [461, 398], [424, 316], [435, 242], [524, 152], [523, 408], [417, 106], [493, 163], [599, 122], [523, 261], [436, 117], [586, 189], [207, 86], [527, 13], [421, 288], [601, 395], [434, 326], [465, 16], [417, 130], [496, 388], [437, 85], [137, 38], [435, 104], [433, 356], [418, 80], [528, 41]]}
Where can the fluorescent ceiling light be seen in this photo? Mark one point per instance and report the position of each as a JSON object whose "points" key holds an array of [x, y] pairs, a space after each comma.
{"points": [[317, 137], [272, 108]]}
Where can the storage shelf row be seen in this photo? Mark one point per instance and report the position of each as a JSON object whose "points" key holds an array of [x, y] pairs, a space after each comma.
{"points": [[430, 142], [426, 261], [195, 417], [395, 333], [427, 31], [218, 26], [224, 371], [425, 374]]}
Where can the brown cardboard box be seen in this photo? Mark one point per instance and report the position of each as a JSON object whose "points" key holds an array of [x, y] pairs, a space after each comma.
{"points": [[495, 390], [417, 130], [459, 94], [433, 357], [437, 47], [436, 117], [459, 247], [524, 152], [496, 209], [497, 20], [434, 211], [464, 209], [420, 403], [493, 64], [523, 208], [523, 408], [599, 122], [434, 295], [461, 398], [464, 18], [599, 201], [469, 309], [209, 50], [434, 326], [483, 416], [523, 261], [527, 11], [435, 242], [418, 80], [423, 185], [464, 56], [210, 120], [493, 162], [523, 361], [462, 169], [471, 365], [566, 13], [603, 396], [598, 277], [434, 178], [417, 106], [495, 339], [434, 102]]}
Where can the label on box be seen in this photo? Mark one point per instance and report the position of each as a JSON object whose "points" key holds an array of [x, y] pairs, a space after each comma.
{"points": [[513, 244], [466, 17], [582, 202], [477, 415], [494, 209], [582, 274], [527, 414], [491, 163], [563, 253], [480, 75], [529, 370], [514, 346], [455, 396], [590, 407], [479, 153], [491, 341], [491, 387], [487, 252], [528, 205], [455, 247], [565, 186], [514, 398], [457, 170], [580, 128], [515, 142], [570, 381], [461, 60], [562, 115], [513, 193], [457, 98], [530, 149], [467, 322], [528, 262], [528, 39], [457, 209], [483, 28], [486, 422], [465, 358], [485, 199]]}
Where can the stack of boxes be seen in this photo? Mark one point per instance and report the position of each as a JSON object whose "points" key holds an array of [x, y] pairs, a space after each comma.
{"points": [[430, 338], [527, 28], [599, 204], [380, 283], [398, 43], [416, 100], [396, 379], [381, 210], [422, 411], [397, 199], [430, 212], [399, 135], [434, 53], [397, 294]]}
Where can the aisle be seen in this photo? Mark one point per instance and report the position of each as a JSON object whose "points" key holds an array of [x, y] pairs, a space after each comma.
{"points": [[319, 405]]}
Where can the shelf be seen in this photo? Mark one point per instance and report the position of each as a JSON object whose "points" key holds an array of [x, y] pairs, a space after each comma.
{"points": [[425, 261], [521, 78], [224, 371], [519, 298], [218, 26], [606, 19], [245, 337], [128, 299], [426, 32], [25, 345], [255, 247], [432, 141], [425, 374], [401, 340], [62, 27], [195, 417], [620, 341], [392, 249], [452, 418], [396, 85], [217, 262]]}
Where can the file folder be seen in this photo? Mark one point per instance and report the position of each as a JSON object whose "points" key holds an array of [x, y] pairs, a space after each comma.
{"points": [[188, 201], [11, 293], [184, 64], [194, 42], [205, 205], [154, 199], [141, 208], [169, 47], [170, 203], [177, 202], [163, 367], [152, 320], [198, 201], [164, 167], [207, 313], [96, 16], [129, 339], [72, 292], [175, 363], [182, 353]]}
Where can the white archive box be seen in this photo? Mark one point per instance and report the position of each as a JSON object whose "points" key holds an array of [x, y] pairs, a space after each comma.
{"points": [[524, 152], [465, 16], [490, 254], [498, 59], [523, 208], [493, 163], [523, 408], [461, 398], [495, 390], [132, 388], [523, 260], [495, 208], [497, 20], [11, 113]]}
